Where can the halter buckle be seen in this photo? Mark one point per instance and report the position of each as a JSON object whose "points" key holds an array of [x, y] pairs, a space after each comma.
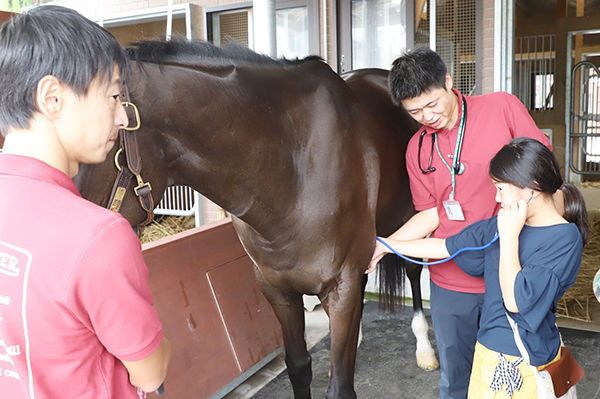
{"points": [[141, 185], [136, 115]]}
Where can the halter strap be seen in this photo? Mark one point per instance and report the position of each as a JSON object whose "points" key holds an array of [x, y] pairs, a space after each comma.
{"points": [[133, 165]]}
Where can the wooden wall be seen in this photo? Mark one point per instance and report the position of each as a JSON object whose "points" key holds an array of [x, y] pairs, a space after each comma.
{"points": [[213, 312]]}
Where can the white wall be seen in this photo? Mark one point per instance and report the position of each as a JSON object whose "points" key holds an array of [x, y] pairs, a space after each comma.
{"points": [[373, 286]]}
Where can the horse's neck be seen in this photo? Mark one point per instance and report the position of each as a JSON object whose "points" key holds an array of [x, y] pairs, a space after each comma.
{"points": [[220, 136]]}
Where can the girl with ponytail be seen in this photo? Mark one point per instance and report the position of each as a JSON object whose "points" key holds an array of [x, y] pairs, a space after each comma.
{"points": [[527, 270]]}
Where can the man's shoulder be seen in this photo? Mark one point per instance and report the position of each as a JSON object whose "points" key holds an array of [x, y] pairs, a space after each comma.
{"points": [[496, 98], [79, 214]]}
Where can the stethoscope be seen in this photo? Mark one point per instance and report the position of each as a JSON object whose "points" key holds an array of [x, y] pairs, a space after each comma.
{"points": [[437, 262], [458, 166]]}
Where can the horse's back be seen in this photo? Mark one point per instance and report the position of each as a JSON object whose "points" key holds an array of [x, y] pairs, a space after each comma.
{"points": [[394, 205]]}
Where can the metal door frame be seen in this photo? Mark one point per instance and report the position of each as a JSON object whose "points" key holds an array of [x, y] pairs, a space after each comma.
{"points": [[572, 177]]}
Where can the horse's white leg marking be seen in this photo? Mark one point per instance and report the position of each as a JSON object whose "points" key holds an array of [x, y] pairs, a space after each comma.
{"points": [[360, 337], [426, 358]]}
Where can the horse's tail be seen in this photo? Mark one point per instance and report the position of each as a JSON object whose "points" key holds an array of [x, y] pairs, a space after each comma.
{"points": [[392, 275]]}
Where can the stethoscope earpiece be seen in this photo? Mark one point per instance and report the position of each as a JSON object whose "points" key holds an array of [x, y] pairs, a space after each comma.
{"points": [[530, 198]]}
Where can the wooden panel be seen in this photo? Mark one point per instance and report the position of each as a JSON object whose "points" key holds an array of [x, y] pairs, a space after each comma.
{"points": [[4, 16], [217, 332], [246, 313]]}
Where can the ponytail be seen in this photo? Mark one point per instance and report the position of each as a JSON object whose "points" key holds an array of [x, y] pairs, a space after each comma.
{"points": [[526, 162], [575, 210]]}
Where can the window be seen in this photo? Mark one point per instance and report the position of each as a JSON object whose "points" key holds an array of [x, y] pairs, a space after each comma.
{"points": [[534, 71]]}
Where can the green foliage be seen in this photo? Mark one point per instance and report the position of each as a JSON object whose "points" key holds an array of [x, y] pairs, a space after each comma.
{"points": [[16, 5]]}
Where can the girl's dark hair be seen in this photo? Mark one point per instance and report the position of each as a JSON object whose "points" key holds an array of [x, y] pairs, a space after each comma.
{"points": [[526, 162], [57, 41], [416, 72]]}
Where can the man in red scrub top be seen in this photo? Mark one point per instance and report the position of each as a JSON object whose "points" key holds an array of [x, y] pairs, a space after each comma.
{"points": [[447, 162]]}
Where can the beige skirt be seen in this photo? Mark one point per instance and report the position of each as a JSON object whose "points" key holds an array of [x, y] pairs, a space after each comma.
{"points": [[484, 368]]}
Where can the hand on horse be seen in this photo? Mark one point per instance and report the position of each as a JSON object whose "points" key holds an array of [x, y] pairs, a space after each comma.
{"points": [[380, 251]]}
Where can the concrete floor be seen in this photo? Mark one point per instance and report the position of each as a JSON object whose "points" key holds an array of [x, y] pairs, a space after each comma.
{"points": [[386, 368]]}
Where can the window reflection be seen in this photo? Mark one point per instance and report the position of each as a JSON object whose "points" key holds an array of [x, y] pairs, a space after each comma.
{"points": [[378, 32]]}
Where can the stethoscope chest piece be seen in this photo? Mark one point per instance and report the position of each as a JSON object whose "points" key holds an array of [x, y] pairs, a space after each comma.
{"points": [[460, 169]]}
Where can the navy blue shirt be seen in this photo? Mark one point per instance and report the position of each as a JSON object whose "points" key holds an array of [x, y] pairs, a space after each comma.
{"points": [[550, 259]]}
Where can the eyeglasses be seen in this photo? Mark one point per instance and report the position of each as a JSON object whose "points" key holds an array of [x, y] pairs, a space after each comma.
{"points": [[429, 167]]}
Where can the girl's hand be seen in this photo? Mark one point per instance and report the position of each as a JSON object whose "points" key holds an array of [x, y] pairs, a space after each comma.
{"points": [[511, 220], [380, 251]]}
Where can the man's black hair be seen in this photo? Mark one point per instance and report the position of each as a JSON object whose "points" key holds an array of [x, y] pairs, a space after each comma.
{"points": [[57, 41], [416, 72]]}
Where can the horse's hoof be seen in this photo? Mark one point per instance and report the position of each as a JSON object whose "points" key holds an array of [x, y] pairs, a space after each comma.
{"points": [[427, 361]]}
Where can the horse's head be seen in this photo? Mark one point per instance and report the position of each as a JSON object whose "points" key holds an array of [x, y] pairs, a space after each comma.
{"points": [[96, 182]]}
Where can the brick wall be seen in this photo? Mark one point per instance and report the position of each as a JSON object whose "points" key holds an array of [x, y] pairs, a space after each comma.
{"points": [[487, 84], [212, 211]]}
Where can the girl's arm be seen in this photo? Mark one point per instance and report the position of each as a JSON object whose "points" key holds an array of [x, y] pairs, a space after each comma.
{"points": [[422, 248], [510, 224]]}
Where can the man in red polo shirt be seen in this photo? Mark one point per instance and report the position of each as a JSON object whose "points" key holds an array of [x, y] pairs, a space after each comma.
{"points": [[76, 313], [447, 162]]}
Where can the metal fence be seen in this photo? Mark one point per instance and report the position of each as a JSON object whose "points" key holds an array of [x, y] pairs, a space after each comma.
{"points": [[181, 201], [584, 130], [535, 68]]}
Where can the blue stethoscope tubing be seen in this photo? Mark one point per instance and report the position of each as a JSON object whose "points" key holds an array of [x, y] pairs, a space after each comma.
{"points": [[437, 262]]}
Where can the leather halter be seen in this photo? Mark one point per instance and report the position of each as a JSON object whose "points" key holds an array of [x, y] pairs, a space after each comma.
{"points": [[133, 166]]}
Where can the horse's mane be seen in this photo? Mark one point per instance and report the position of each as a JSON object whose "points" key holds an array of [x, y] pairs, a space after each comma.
{"points": [[181, 50]]}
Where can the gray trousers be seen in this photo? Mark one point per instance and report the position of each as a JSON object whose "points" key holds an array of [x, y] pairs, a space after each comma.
{"points": [[455, 317]]}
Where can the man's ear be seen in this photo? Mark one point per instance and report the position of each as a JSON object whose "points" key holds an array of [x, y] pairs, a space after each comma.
{"points": [[448, 82], [48, 96]]}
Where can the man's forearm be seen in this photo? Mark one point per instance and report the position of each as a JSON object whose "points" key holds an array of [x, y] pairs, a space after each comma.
{"points": [[420, 225]]}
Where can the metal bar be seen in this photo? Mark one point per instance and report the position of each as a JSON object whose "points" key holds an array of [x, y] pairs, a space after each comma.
{"points": [[568, 110], [543, 74], [169, 19], [432, 27]]}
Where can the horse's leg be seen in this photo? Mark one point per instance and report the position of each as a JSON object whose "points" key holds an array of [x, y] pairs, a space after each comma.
{"points": [[426, 358], [343, 305], [363, 289], [289, 310]]}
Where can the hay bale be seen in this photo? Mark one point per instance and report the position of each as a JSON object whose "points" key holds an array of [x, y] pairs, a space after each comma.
{"points": [[576, 301], [588, 184], [165, 226]]}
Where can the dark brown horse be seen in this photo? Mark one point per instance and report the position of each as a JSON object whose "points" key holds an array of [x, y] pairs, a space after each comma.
{"points": [[310, 166]]}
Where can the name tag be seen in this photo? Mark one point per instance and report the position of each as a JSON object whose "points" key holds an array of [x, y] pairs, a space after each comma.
{"points": [[453, 210]]}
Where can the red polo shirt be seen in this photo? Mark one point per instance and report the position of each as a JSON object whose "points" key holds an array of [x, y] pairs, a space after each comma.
{"points": [[493, 120], [74, 295]]}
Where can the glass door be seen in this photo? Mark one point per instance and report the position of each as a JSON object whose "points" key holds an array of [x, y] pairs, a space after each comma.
{"points": [[297, 26], [373, 33]]}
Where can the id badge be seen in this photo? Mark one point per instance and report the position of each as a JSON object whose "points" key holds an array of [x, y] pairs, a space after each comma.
{"points": [[453, 210]]}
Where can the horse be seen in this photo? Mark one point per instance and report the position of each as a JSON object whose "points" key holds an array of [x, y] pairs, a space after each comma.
{"points": [[309, 165]]}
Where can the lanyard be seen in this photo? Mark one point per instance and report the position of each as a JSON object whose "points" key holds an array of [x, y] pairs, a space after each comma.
{"points": [[457, 148]]}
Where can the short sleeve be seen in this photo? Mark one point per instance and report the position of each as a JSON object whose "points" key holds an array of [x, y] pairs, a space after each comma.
{"points": [[109, 293], [535, 290], [543, 280], [476, 235], [521, 124]]}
